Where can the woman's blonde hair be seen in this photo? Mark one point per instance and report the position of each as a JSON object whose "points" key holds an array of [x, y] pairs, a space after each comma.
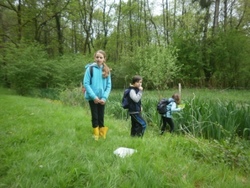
{"points": [[105, 70]]}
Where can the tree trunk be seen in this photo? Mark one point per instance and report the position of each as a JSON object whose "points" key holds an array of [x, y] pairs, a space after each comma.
{"points": [[87, 17], [205, 56], [59, 33], [216, 15], [130, 26], [225, 15], [19, 20], [165, 20], [118, 32], [105, 23]]}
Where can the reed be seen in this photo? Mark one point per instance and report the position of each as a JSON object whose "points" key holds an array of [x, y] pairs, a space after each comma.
{"points": [[210, 114], [205, 116]]}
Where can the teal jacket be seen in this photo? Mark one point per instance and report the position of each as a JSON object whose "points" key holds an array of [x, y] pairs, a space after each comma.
{"points": [[96, 85]]}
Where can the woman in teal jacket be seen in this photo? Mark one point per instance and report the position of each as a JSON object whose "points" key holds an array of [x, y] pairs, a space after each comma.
{"points": [[97, 84]]}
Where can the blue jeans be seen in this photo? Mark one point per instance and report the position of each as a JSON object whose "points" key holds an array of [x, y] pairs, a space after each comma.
{"points": [[138, 125]]}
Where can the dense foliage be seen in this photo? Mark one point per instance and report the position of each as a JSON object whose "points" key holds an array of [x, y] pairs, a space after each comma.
{"points": [[197, 43]]}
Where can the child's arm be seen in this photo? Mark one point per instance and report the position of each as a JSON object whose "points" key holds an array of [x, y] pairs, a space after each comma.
{"points": [[135, 97], [174, 108]]}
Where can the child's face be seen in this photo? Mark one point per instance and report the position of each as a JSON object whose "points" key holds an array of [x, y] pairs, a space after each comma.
{"points": [[99, 58], [138, 84]]}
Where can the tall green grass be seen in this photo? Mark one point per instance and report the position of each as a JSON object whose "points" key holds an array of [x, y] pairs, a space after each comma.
{"points": [[214, 119], [44, 143], [211, 114]]}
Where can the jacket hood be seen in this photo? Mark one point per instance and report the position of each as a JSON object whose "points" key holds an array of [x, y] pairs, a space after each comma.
{"points": [[91, 64]]}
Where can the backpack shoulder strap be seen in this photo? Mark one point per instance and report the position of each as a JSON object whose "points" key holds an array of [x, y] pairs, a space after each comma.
{"points": [[91, 71], [127, 91]]}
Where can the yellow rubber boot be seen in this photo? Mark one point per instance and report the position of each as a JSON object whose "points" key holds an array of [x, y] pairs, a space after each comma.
{"points": [[103, 132], [96, 133]]}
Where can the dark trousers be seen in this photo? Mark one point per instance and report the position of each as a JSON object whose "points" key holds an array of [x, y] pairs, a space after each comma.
{"points": [[97, 114], [138, 125], [165, 121]]}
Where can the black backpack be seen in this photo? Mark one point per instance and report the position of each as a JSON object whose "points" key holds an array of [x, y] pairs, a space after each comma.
{"points": [[125, 98], [162, 106], [91, 75]]}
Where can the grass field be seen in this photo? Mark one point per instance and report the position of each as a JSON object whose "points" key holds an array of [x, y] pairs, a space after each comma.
{"points": [[45, 144]]}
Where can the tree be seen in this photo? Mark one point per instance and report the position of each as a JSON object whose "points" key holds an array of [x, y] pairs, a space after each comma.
{"points": [[206, 33], [158, 66]]}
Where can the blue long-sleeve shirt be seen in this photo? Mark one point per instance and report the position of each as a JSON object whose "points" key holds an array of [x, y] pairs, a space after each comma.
{"points": [[171, 107]]}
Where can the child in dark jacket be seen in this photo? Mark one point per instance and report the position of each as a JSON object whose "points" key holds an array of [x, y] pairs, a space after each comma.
{"points": [[171, 107], [135, 94]]}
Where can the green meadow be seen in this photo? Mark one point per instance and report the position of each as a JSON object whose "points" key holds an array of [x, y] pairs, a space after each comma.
{"points": [[48, 143]]}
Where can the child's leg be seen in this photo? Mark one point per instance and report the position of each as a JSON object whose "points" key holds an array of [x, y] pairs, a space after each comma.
{"points": [[100, 111], [171, 124], [164, 124], [94, 114], [140, 124], [133, 126], [94, 119]]}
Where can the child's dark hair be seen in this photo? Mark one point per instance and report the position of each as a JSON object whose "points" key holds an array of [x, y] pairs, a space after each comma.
{"points": [[177, 98], [136, 78]]}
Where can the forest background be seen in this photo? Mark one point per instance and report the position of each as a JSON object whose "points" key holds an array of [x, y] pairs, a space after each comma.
{"points": [[44, 47], [46, 44]]}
